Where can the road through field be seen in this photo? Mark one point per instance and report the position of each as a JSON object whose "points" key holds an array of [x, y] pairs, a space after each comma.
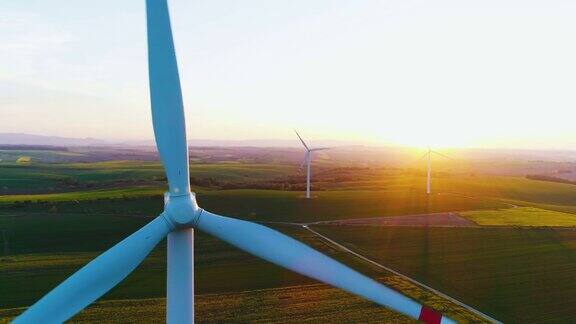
{"points": [[449, 219]]}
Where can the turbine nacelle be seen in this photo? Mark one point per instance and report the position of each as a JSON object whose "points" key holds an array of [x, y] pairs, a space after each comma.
{"points": [[181, 211]]}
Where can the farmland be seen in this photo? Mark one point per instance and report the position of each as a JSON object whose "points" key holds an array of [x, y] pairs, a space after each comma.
{"points": [[514, 274], [523, 216], [45, 177], [38, 260], [55, 217]]}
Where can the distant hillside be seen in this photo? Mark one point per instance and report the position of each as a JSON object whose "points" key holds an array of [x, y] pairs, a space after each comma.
{"points": [[28, 139]]}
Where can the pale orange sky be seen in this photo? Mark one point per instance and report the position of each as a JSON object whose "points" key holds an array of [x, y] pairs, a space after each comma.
{"points": [[446, 73]]}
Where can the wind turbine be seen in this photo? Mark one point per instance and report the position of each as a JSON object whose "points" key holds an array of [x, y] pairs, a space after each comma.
{"points": [[429, 172], [307, 160], [182, 215]]}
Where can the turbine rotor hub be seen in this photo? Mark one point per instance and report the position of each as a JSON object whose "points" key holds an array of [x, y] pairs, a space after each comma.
{"points": [[181, 211]]}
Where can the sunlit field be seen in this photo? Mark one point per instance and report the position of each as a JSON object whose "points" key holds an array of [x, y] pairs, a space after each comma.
{"points": [[517, 275], [521, 216]]}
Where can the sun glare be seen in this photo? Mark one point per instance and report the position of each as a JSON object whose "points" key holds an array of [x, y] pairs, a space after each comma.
{"points": [[437, 137]]}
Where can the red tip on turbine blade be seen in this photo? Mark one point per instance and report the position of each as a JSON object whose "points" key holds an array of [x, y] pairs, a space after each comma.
{"points": [[429, 316]]}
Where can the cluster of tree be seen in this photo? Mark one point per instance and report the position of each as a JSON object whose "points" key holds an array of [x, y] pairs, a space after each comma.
{"points": [[422, 173], [72, 182], [45, 205], [17, 147], [297, 182], [22, 203], [284, 183], [549, 178], [341, 175]]}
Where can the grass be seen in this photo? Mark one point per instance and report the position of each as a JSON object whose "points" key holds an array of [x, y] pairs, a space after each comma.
{"points": [[37, 155], [295, 304], [514, 188], [517, 189], [263, 205], [331, 205], [220, 269], [84, 195], [522, 216], [43, 178], [516, 275], [61, 250], [289, 304], [230, 284], [18, 178]]}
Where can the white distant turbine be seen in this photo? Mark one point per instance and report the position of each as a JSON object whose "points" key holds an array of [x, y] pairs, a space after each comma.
{"points": [[307, 160], [429, 173], [182, 215]]}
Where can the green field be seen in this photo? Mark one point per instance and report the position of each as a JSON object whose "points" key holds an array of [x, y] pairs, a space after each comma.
{"points": [[16, 178], [264, 205], [43, 255], [50, 156], [516, 275], [76, 211]]}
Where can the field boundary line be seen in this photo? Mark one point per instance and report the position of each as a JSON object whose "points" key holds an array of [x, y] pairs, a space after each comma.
{"points": [[414, 281], [498, 200]]}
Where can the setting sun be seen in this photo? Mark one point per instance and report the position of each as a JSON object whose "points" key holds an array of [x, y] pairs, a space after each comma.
{"points": [[311, 67]]}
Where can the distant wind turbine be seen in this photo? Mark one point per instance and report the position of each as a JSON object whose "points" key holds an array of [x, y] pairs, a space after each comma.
{"points": [[429, 173], [307, 160]]}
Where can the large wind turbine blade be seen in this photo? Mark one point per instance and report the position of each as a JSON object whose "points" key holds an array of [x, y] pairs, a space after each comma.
{"points": [[289, 253], [301, 140], [320, 149], [166, 97], [97, 277]]}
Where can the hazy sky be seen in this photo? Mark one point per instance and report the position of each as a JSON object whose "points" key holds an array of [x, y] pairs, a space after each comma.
{"points": [[464, 73]]}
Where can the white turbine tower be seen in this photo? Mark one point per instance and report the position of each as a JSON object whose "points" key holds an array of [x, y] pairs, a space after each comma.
{"points": [[181, 215], [307, 160], [429, 172]]}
